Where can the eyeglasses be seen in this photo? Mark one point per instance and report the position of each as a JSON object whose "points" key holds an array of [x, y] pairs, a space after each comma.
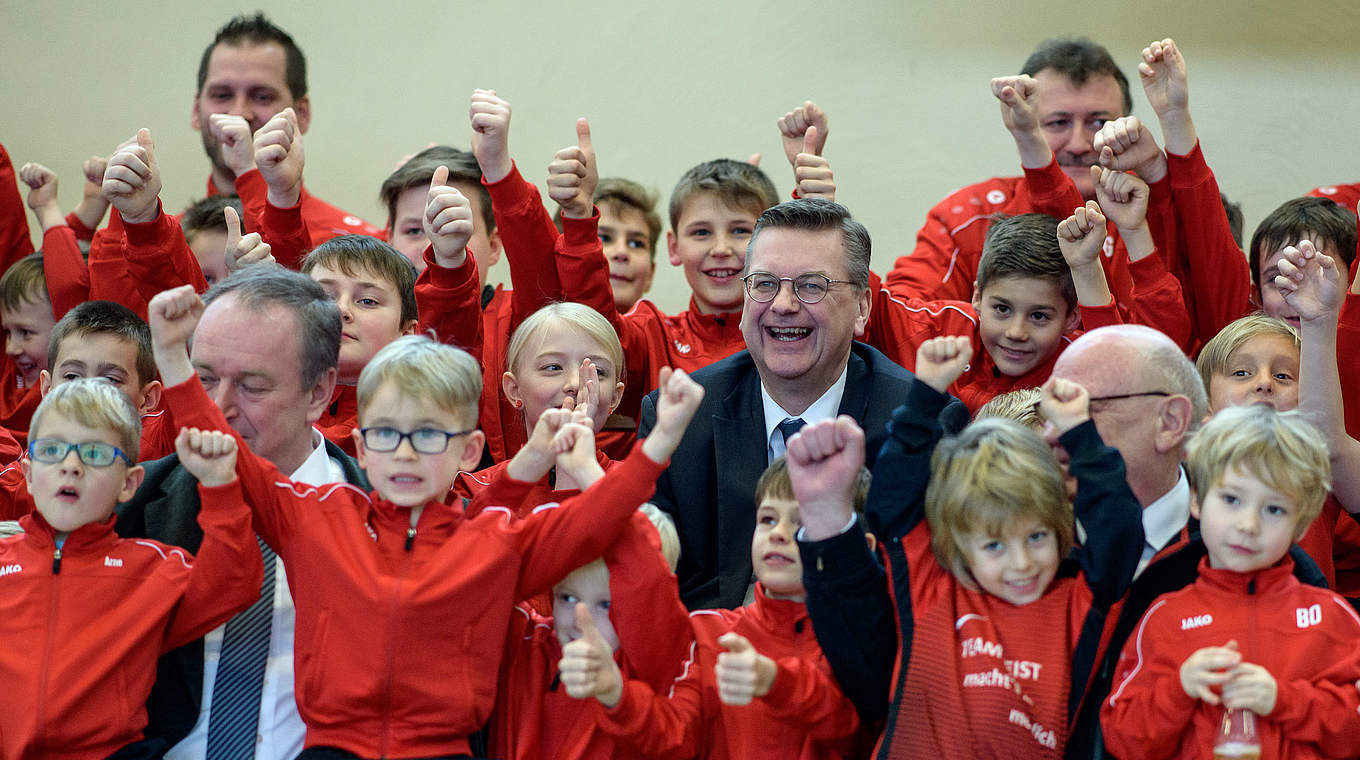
{"points": [[424, 440], [92, 453], [1094, 399], [763, 287]]}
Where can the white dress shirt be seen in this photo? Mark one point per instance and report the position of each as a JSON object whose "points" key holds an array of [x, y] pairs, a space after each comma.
{"points": [[824, 408], [1163, 519], [281, 729]]}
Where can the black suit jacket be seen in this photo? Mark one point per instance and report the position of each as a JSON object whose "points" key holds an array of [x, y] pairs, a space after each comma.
{"points": [[165, 508], [710, 485]]}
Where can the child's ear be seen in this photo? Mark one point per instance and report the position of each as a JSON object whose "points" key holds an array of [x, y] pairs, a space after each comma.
{"points": [[26, 466], [360, 453], [977, 297], [511, 388], [872, 540], [471, 454], [151, 397], [131, 482], [670, 248], [1073, 319], [410, 327], [44, 382], [494, 248], [618, 397], [1194, 505]]}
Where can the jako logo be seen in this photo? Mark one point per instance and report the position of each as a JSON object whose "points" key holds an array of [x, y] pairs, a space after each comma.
{"points": [[11, 569], [683, 348], [1198, 621]]}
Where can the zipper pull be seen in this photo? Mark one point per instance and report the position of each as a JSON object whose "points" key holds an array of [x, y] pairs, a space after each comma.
{"points": [[56, 561], [410, 537]]}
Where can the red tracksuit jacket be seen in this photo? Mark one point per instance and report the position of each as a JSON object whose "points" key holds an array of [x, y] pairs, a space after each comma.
{"points": [[1305, 636], [81, 626], [400, 629]]}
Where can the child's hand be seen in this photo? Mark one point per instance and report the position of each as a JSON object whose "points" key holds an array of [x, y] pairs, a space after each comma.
{"points": [[1207, 668], [1065, 404], [1081, 236], [447, 220], [1126, 145], [1164, 79], [743, 673], [587, 394], [173, 314], [587, 666], [278, 154], [1123, 197], [793, 132], [536, 457], [940, 361], [573, 175], [812, 172], [824, 461], [235, 143], [1310, 282], [208, 455], [677, 399], [93, 168], [42, 186], [1250, 687], [243, 251], [490, 116], [132, 182], [574, 447], [1019, 96]]}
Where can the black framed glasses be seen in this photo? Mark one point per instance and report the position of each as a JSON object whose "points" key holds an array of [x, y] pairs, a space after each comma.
{"points": [[810, 288], [424, 440], [1129, 395], [92, 453]]}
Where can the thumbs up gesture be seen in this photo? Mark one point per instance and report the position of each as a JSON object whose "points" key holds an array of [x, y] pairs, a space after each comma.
{"points": [[572, 176], [812, 172], [278, 154], [587, 666], [242, 251], [793, 131], [447, 220], [235, 144], [132, 181], [490, 117], [743, 673]]}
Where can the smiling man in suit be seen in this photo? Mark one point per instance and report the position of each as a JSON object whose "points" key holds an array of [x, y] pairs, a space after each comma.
{"points": [[807, 299]]}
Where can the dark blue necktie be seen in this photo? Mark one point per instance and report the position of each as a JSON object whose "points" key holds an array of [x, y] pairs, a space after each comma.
{"points": [[234, 717]]}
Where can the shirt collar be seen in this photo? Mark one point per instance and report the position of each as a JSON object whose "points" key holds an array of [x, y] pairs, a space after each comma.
{"points": [[318, 468], [1164, 518], [824, 408]]}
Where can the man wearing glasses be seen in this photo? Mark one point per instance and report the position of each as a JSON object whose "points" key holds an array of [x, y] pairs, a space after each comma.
{"points": [[807, 299], [265, 349]]}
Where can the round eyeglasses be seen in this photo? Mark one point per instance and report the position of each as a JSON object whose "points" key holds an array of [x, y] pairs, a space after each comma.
{"points": [[810, 288]]}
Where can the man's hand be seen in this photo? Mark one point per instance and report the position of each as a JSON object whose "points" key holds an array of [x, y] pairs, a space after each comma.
{"points": [[447, 220], [132, 182], [812, 172], [1250, 687], [573, 175], [1019, 97], [234, 140], [278, 153], [490, 117], [1123, 198], [824, 461], [1126, 145], [173, 314], [1167, 87], [793, 127], [940, 361], [1081, 236], [243, 251], [742, 672], [1065, 404], [1310, 281], [1207, 668], [677, 399], [42, 194], [587, 666], [208, 455]]}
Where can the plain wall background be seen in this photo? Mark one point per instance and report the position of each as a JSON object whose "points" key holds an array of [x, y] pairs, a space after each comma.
{"points": [[1273, 89]]}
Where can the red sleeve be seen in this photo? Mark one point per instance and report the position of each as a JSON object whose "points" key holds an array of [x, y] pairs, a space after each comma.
{"points": [[1219, 277], [254, 194], [15, 501], [528, 235], [1158, 301], [1348, 359], [898, 325], [109, 277], [1147, 712], [656, 726], [15, 242], [286, 232], [653, 628], [807, 698], [78, 227], [503, 491], [1346, 196], [450, 303], [68, 279], [933, 270], [227, 571], [159, 258]]}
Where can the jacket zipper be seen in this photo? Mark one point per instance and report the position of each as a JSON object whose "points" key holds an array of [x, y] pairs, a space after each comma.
{"points": [[391, 645], [53, 608]]}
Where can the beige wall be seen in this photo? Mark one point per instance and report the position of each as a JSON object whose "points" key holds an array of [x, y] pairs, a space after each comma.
{"points": [[1273, 88]]}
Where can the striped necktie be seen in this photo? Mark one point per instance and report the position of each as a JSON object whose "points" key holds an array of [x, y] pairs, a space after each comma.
{"points": [[234, 717]]}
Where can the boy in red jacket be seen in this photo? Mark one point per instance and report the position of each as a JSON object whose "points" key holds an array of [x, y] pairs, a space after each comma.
{"points": [[372, 573], [1246, 635], [757, 684], [83, 613]]}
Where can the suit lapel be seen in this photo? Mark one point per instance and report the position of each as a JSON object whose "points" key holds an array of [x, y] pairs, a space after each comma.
{"points": [[855, 399], [739, 449]]}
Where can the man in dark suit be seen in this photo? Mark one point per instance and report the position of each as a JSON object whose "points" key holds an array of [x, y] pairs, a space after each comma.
{"points": [[266, 349], [807, 299]]}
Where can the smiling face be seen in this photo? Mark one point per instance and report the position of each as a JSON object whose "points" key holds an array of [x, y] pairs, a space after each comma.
{"points": [[774, 552], [548, 370], [407, 477], [1246, 524], [370, 315], [1017, 566], [627, 244], [27, 331], [1263, 370], [1021, 321], [1070, 117], [709, 243], [70, 493]]}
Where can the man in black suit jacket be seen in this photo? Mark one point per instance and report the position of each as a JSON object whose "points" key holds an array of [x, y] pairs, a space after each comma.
{"points": [[802, 363], [266, 349]]}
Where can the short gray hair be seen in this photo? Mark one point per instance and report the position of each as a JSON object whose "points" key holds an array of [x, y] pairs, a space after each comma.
{"points": [[820, 215]]}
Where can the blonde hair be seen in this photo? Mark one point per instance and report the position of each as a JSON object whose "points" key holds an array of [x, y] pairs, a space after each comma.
{"points": [[441, 375], [1214, 357], [988, 477], [1020, 406], [775, 483], [665, 528], [1281, 449], [584, 319], [94, 403]]}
